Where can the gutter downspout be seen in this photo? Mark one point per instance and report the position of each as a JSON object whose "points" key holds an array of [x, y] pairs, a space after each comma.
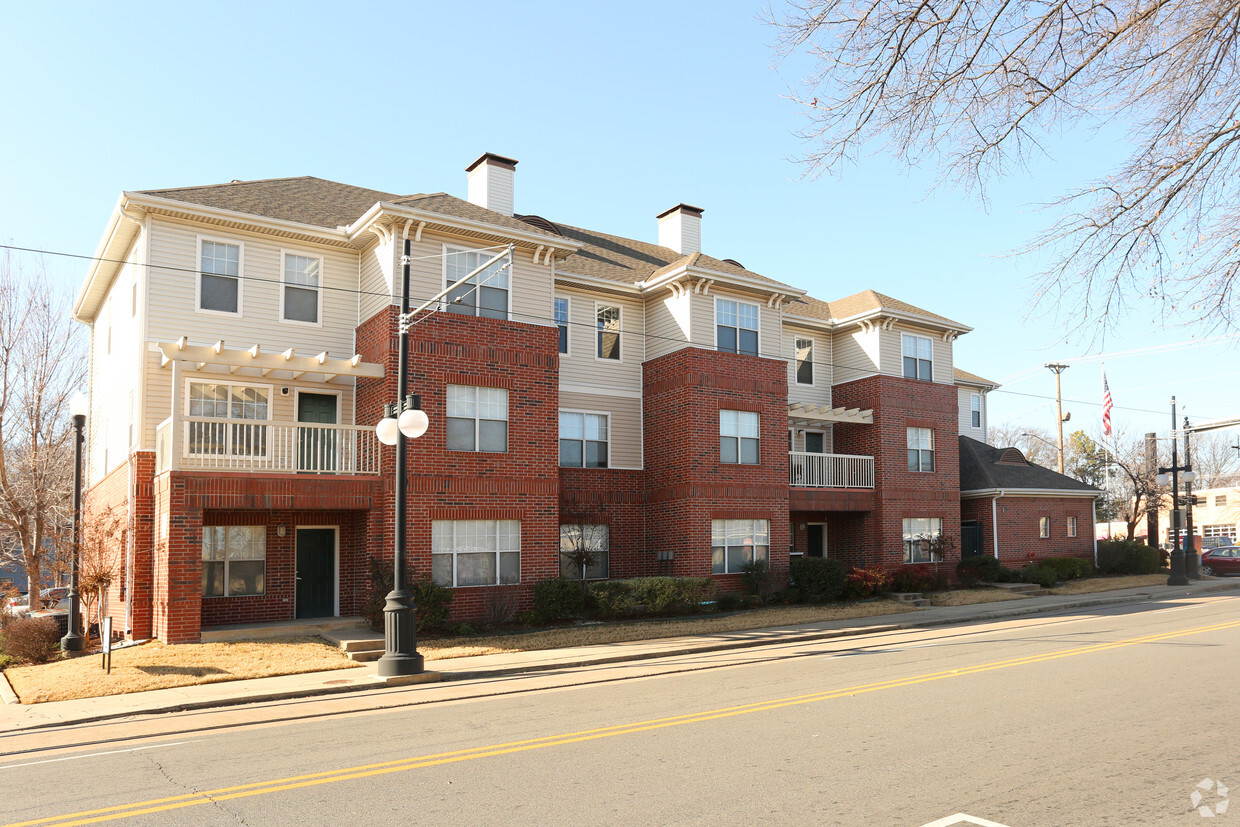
{"points": [[994, 520], [1093, 510]]}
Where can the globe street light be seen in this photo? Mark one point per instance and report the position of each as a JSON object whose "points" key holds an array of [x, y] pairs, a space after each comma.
{"points": [[1178, 575]]}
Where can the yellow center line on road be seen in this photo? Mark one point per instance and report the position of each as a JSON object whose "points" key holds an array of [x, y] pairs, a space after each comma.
{"points": [[405, 764]]}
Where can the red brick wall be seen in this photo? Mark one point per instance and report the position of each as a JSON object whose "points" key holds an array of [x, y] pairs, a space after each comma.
{"points": [[521, 484], [615, 498], [1019, 542], [899, 404], [687, 485]]}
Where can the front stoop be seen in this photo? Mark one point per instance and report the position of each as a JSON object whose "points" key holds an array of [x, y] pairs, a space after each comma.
{"points": [[359, 643], [916, 598]]}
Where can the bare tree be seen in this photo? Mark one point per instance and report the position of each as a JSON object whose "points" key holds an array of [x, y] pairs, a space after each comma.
{"points": [[1215, 460], [1134, 494], [975, 87], [40, 366], [1037, 444]]}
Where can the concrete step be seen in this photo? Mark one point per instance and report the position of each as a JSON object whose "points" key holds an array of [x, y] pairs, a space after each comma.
{"points": [[366, 656]]}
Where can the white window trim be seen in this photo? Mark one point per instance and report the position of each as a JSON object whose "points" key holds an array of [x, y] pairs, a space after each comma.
{"points": [[283, 284], [1044, 528], [904, 335], [619, 335], [758, 330], [813, 358], [738, 439], [606, 552], [200, 380], [240, 245], [297, 392], [933, 458], [931, 534], [753, 544], [487, 254], [266, 557], [507, 420], [975, 398], [1071, 521], [336, 565], [568, 325], [606, 415]]}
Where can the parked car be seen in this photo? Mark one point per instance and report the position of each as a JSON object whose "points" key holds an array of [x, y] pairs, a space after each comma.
{"points": [[1222, 560], [49, 599]]}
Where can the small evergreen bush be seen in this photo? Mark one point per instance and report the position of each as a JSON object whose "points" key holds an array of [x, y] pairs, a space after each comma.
{"points": [[1069, 568], [982, 568], [729, 602], [432, 601], [1126, 557], [1040, 573], [557, 599], [817, 579]]}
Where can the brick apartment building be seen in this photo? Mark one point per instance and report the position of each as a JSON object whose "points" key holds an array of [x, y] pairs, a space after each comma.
{"points": [[685, 414]]}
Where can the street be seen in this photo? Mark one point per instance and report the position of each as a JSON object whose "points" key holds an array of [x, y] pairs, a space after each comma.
{"points": [[1111, 715]]}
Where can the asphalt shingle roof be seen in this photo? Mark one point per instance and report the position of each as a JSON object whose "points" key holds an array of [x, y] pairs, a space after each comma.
{"points": [[306, 200], [971, 378], [980, 469], [867, 301]]}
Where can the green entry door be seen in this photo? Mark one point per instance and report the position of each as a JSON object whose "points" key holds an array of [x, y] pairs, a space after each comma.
{"points": [[316, 572], [317, 447]]}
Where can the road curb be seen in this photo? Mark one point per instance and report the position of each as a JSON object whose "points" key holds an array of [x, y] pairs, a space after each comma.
{"points": [[791, 637]]}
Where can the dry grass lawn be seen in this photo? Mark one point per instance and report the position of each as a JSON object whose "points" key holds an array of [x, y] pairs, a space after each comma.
{"points": [[968, 597], [156, 666], [1109, 583]]}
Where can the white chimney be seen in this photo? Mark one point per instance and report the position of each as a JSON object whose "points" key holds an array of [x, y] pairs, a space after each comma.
{"points": [[681, 229], [492, 181]]}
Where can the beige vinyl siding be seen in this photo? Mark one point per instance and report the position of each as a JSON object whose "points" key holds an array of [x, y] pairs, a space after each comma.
{"points": [[820, 392], [581, 367], [855, 354], [703, 320], [893, 354], [173, 283], [966, 419], [113, 381], [158, 406], [378, 283], [625, 423], [668, 323], [828, 437]]}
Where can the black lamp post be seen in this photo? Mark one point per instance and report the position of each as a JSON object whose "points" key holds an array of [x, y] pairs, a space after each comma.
{"points": [[1178, 575], [400, 656], [72, 641], [1192, 565]]}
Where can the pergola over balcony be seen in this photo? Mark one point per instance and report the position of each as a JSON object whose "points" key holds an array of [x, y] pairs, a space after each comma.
{"points": [[184, 442], [813, 470]]}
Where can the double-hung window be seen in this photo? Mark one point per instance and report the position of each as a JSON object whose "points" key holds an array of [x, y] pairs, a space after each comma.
{"points": [[975, 410], [1220, 499], [234, 560], [1072, 526], [583, 440], [475, 552], [733, 543], [561, 322], [736, 327], [227, 420], [921, 535], [583, 551], [219, 279], [738, 437], [608, 321], [805, 361], [1044, 527], [477, 419], [920, 449], [918, 357], [486, 293], [302, 300]]}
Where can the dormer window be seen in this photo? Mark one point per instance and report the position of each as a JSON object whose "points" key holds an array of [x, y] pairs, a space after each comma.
{"points": [[736, 327], [485, 293]]}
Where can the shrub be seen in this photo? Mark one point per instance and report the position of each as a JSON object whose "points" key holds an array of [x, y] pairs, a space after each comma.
{"points": [[650, 595], [614, 597], [756, 575], [31, 639], [1126, 557], [982, 568], [913, 579], [1068, 568], [864, 582], [1040, 573], [817, 579], [557, 599], [431, 599], [729, 602]]}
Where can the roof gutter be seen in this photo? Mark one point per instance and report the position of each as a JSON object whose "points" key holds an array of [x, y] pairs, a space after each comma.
{"points": [[558, 245], [994, 520], [760, 285]]}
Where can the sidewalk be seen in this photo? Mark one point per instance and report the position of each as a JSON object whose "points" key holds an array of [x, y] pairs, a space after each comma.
{"points": [[15, 716]]}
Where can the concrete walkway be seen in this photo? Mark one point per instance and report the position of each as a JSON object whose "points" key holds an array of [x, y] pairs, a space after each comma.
{"points": [[15, 716]]}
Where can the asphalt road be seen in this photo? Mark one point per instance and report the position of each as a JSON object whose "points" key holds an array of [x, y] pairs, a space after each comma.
{"points": [[1107, 717]]}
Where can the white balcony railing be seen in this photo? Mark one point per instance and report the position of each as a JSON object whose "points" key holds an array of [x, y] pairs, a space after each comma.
{"points": [[293, 448], [830, 470]]}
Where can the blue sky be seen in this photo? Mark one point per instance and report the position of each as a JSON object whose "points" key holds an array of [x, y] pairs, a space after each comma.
{"points": [[615, 112]]}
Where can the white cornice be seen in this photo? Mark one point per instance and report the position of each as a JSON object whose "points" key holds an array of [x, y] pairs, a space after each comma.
{"points": [[560, 246]]}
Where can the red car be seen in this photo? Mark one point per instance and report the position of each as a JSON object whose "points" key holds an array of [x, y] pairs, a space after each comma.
{"points": [[1222, 560]]}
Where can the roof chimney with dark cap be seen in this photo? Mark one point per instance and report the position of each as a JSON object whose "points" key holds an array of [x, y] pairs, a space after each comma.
{"points": [[681, 229], [492, 182]]}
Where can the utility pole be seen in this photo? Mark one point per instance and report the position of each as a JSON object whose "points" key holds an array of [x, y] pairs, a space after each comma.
{"points": [[1057, 369]]}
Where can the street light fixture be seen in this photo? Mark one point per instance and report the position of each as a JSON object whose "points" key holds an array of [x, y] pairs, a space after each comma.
{"points": [[1178, 575], [400, 629], [72, 641]]}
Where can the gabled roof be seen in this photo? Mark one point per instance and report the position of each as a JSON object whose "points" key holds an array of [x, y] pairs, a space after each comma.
{"points": [[870, 304], [306, 200], [985, 468], [963, 377]]}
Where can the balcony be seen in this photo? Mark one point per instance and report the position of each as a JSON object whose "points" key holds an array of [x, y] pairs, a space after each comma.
{"points": [[272, 447], [830, 470]]}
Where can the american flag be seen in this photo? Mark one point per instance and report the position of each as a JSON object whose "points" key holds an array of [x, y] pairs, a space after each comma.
{"points": [[1106, 405]]}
